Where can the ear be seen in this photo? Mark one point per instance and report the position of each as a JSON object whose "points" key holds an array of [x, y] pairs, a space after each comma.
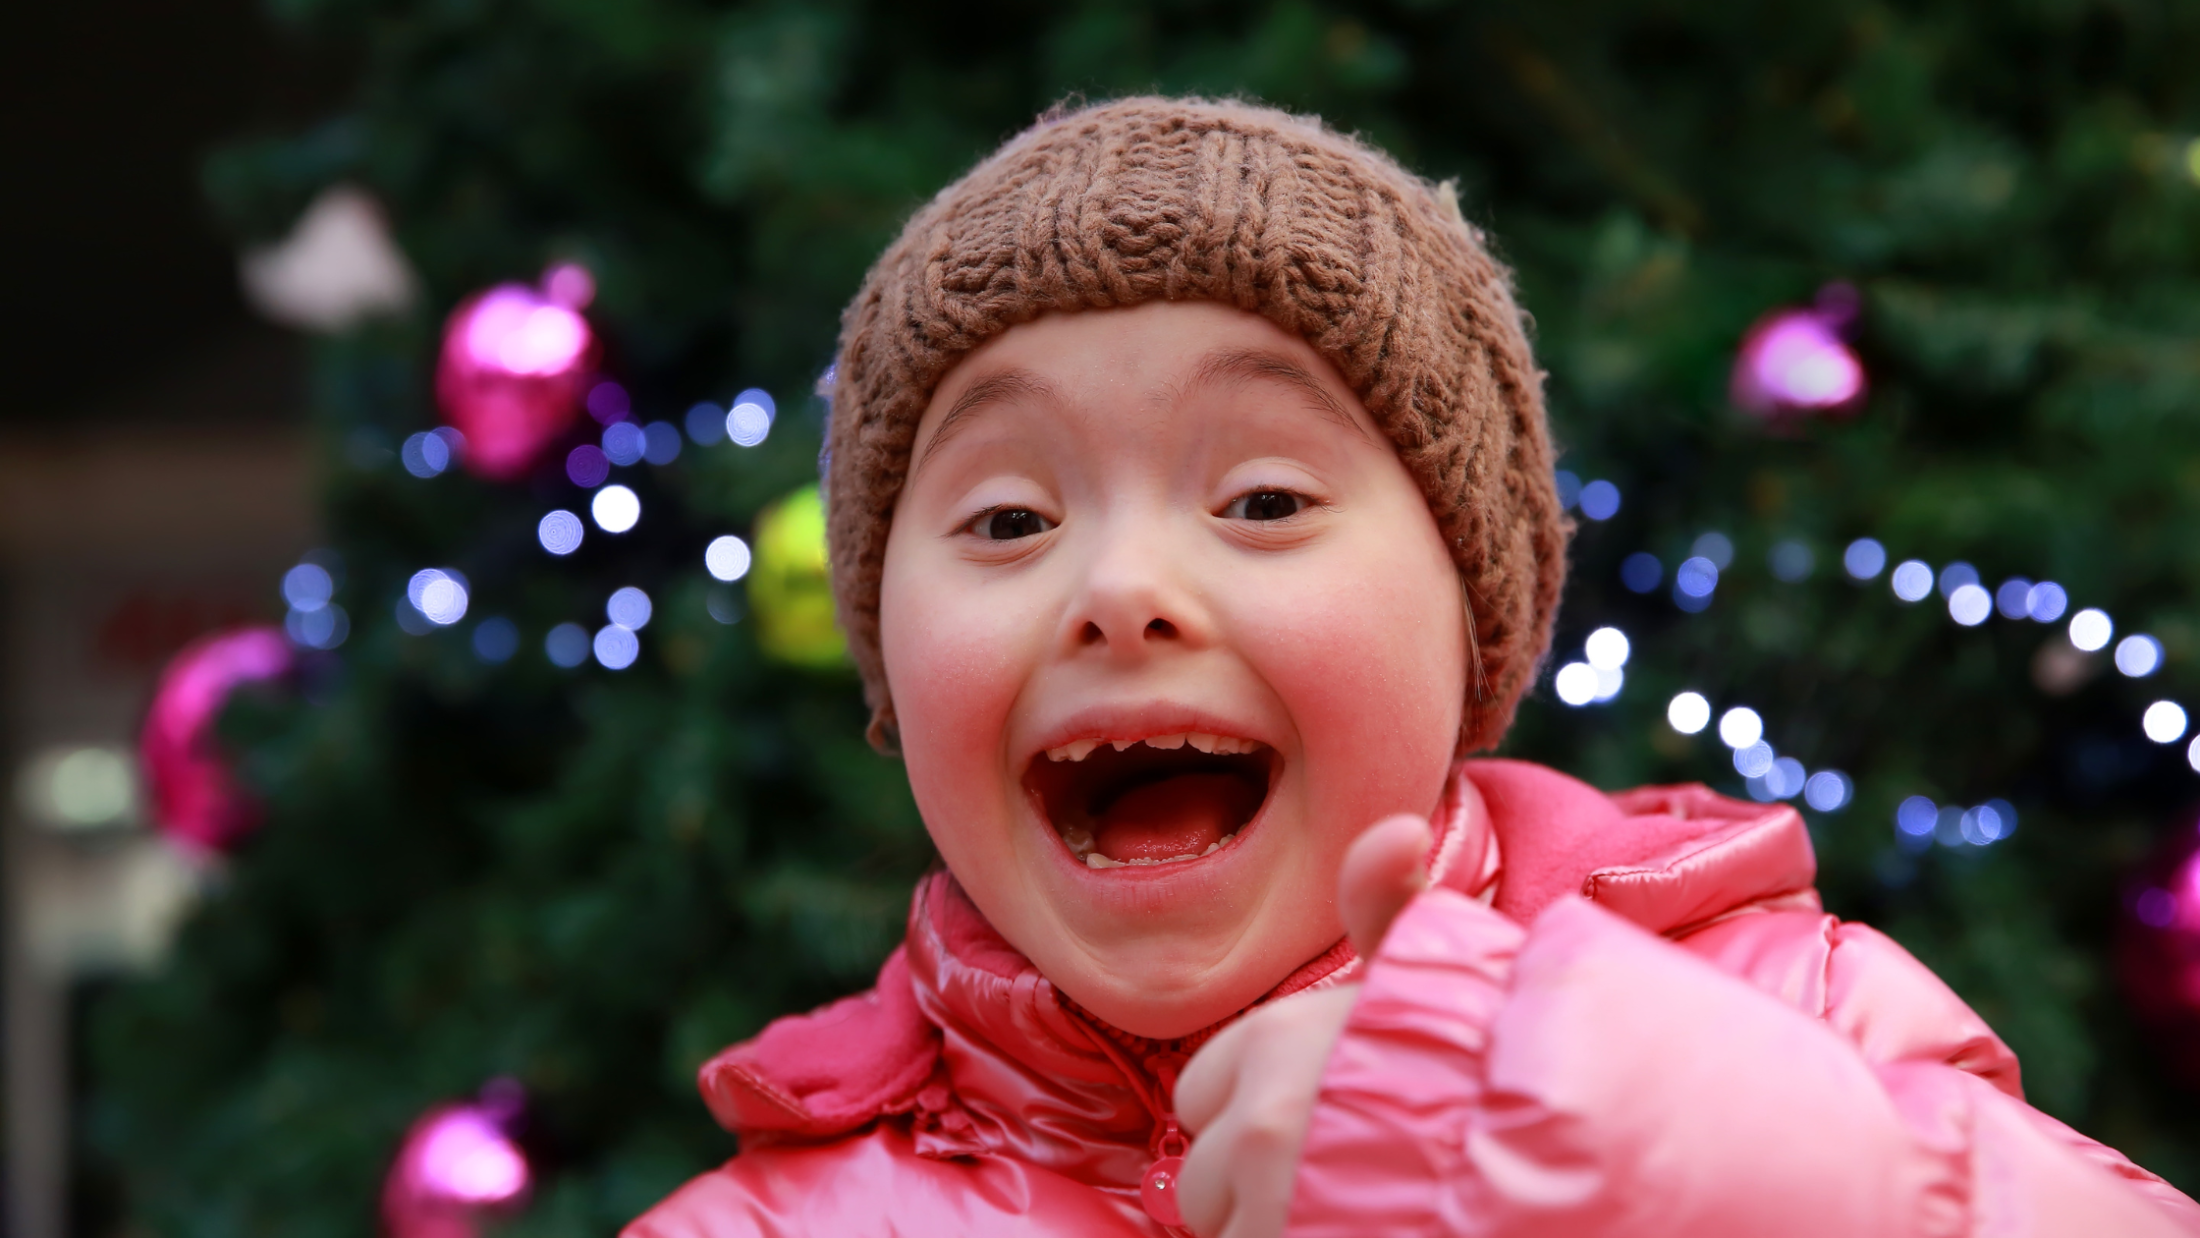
{"points": [[1384, 868]]}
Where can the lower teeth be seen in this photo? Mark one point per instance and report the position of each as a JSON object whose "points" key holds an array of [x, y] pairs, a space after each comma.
{"points": [[1093, 859]]}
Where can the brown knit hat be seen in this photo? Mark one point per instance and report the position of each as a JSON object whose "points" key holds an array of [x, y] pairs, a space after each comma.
{"points": [[1183, 199]]}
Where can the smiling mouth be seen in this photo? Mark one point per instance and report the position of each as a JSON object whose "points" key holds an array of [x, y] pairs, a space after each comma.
{"points": [[1164, 799]]}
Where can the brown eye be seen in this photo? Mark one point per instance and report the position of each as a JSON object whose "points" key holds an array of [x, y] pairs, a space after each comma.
{"points": [[1010, 523], [1265, 505]]}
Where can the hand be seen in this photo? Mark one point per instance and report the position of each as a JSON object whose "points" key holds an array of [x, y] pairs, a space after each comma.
{"points": [[1249, 1094]]}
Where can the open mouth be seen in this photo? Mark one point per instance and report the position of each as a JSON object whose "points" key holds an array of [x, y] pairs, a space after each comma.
{"points": [[1164, 799]]}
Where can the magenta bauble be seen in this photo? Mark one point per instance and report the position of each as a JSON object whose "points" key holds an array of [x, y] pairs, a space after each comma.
{"points": [[457, 1168], [515, 365], [2158, 950], [196, 799], [1794, 361]]}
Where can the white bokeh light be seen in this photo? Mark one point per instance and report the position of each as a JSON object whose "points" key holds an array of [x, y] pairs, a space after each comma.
{"points": [[2192, 755], [1688, 713], [1606, 649], [616, 509], [437, 594], [2164, 722], [629, 608], [1970, 604], [1912, 580], [1828, 790], [1754, 760], [1576, 683], [308, 587], [2046, 602], [1785, 779], [1864, 559], [2090, 629], [560, 532], [617, 647], [748, 422], [727, 558], [2138, 656], [1740, 727]]}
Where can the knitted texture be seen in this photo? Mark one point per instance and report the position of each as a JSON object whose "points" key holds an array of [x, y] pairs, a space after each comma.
{"points": [[1147, 199]]}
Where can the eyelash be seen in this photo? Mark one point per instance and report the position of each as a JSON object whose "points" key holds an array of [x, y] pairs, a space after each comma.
{"points": [[980, 524], [1240, 502]]}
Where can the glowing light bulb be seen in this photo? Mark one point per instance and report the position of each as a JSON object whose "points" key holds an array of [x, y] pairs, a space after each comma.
{"points": [[1606, 649], [1864, 559], [1740, 727], [560, 532], [2138, 656], [727, 558], [1912, 580], [2090, 629], [1576, 683], [616, 509], [1688, 713], [1970, 604], [2164, 722]]}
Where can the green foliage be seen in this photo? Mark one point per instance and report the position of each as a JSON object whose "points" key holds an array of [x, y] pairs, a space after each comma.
{"points": [[592, 880]]}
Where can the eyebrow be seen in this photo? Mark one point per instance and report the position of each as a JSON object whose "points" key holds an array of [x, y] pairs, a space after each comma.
{"points": [[1244, 364], [1001, 388]]}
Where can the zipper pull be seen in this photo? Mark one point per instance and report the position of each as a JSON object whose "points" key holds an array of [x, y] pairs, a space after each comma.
{"points": [[1157, 1190]]}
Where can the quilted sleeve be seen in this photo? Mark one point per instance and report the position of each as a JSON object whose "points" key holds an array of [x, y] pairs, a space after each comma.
{"points": [[1586, 1078]]}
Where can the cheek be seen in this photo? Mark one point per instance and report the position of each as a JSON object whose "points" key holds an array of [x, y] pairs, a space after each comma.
{"points": [[1369, 655], [956, 658]]}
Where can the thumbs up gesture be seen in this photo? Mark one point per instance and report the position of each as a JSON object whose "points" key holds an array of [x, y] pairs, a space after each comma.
{"points": [[1248, 1096]]}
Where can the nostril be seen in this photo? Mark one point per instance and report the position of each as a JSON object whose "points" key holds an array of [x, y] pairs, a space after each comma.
{"points": [[1092, 635], [1161, 628]]}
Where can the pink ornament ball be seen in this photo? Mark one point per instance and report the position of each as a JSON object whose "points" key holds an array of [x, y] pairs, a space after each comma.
{"points": [[1794, 361], [456, 1169], [196, 799], [515, 366], [2158, 951]]}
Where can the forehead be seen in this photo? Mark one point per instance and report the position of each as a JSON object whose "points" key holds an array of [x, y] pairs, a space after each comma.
{"points": [[1149, 357]]}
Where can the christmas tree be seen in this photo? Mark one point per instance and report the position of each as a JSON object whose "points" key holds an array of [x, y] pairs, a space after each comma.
{"points": [[1871, 335]]}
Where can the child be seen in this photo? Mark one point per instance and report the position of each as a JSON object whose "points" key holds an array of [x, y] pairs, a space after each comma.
{"points": [[1191, 513]]}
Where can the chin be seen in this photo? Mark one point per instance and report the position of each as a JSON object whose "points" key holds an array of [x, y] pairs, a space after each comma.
{"points": [[1160, 993]]}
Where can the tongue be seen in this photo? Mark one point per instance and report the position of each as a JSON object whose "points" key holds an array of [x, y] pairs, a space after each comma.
{"points": [[1180, 816]]}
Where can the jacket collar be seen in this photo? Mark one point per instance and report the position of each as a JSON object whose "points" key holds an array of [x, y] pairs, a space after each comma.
{"points": [[967, 1038]]}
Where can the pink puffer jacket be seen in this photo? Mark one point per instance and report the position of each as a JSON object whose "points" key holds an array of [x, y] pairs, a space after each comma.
{"points": [[1640, 1024]]}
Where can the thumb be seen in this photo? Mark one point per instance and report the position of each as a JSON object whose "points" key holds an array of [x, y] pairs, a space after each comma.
{"points": [[1383, 869]]}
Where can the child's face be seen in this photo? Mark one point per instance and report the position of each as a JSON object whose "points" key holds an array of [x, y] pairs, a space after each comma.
{"points": [[1150, 524]]}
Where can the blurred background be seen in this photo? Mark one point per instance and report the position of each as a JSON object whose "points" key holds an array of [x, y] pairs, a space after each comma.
{"points": [[425, 737]]}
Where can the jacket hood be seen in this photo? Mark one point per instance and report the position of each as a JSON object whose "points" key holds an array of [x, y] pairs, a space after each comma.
{"points": [[966, 1037]]}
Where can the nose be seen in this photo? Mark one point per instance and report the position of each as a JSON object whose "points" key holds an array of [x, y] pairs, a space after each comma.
{"points": [[1135, 601]]}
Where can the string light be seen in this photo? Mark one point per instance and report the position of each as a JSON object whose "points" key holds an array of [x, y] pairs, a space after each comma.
{"points": [[1864, 559], [1740, 727], [616, 509], [560, 532], [1688, 713], [1600, 500], [438, 594], [2090, 629], [2138, 656], [1970, 604], [2163, 722], [629, 608], [616, 647], [1912, 580], [727, 558]]}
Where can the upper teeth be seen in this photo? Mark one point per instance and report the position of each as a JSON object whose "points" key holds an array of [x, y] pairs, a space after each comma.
{"points": [[1079, 749]]}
